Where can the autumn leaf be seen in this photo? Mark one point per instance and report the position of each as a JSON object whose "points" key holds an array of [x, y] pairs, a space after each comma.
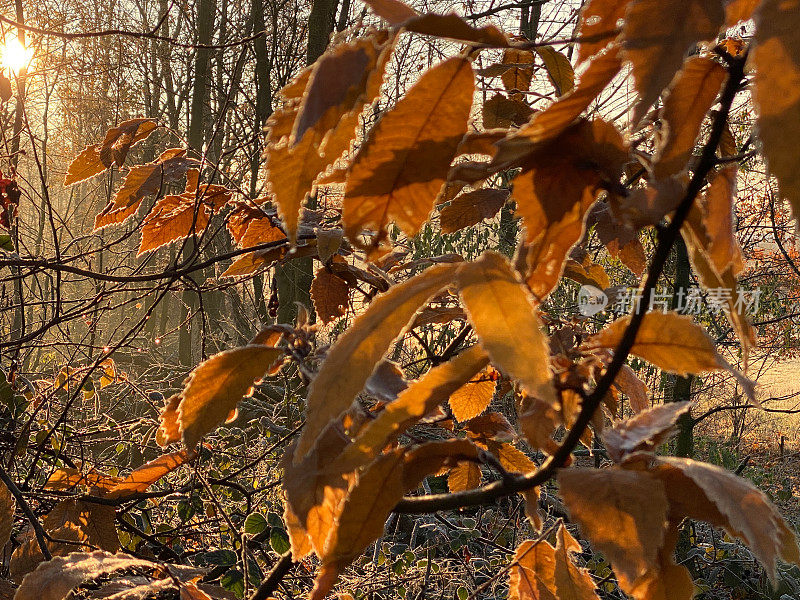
{"points": [[96, 522], [629, 384], [215, 387], [503, 314], [355, 354], [168, 428], [376, 492], [532, 573], [472, 208], [670, 341], [142, 181], [114, 148], [55, 579], [7, 506], [464, 476], [571, 581], [598, 26], [710, 493], [623, 513], [559, 69], [656, 35], [394, 12], [554, 119], [28, 555], [417, 400], [68, 478], [777, 92], [330, 295], [472, 398], [454, 27], [555, 190], [512, 459], [644, 431], [502, 112], [292, 169], [146, 475], [403, 163], [518, 77], [685, 107]]}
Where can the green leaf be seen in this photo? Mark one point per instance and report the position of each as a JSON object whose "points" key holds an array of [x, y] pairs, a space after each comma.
{"points": [[255, 523], [279, 540]]}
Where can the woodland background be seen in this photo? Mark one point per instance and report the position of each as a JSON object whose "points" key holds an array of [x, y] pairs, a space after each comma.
{"points": [[96, 335]]}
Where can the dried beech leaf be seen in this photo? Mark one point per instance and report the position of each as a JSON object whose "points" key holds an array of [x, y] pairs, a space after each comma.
{"points": [[465, 476], [394, 12], [420, 398], [215, 387], [623, 513], [656, 36], [532, 574], [7, 507], [455, 27], [472, 208], [330, 294], [503, 315], [502, 112], [518, 77], [598, 25], [355, 354], [685, 107], [629, 384], [29, 555], [644, 431], [777, 92], [404, 161], [670, 341], [472, 398], [710, 493], [55, 579], [559, 69], [146, 475], [571, 581]]}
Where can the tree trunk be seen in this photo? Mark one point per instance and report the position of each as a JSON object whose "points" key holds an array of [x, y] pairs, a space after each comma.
{"points": [[294, 278], [197, 127], [678, 388]]}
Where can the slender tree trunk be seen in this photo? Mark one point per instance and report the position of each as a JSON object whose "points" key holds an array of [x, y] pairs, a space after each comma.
{"points": [[294, 278], [197, 131], [678, 388]]}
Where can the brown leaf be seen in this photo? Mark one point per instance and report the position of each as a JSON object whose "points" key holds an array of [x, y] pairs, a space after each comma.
{"points": [[559, 69], [7, 507], [490, 426], [709, 493], [644, 431], [739, 10], [518, 77], [97, 522], [455, 27], [340, 82], [532, 573], [503, 315], [500, 111], [598, 26], [571, 581], [558, 185], [403, 164], [670, 341], [472, 398], [420, 398], [656, 36], [438, 315], [623, 513], [472, 208], [214, 388], [55, 579], [538, 420], [777, 92], [113, 149], [511, 458], [464, 476], [374, 495], [28, 556], [168, 429], [330, 295], [292, 170], [68, 479], [685, 107], [142, 181], [146, 475], [394, 12], [553, 120], [355, 354], [634, 388]]}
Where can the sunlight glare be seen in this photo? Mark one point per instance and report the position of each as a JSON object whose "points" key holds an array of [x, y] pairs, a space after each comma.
{"points": [[15, 56]]}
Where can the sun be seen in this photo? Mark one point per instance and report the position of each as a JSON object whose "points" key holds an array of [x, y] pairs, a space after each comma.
{"points": [[15, 55]]}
